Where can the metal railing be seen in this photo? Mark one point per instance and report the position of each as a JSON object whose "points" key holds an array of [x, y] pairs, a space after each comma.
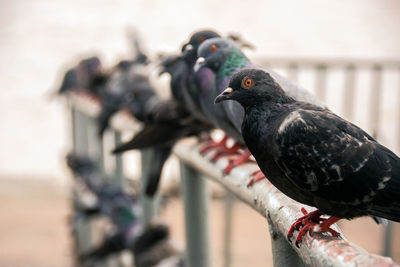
{"points": [[279, 210]]}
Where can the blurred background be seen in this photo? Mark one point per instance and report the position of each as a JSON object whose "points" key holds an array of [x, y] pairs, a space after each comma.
{"points": [[40, 39]]}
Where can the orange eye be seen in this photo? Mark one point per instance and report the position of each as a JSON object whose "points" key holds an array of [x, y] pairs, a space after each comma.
{"points": [[247, 82], [213, 48], [202, 39]]}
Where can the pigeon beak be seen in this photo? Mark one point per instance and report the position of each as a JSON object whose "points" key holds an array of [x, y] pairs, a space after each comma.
{"points": [[200, 62], [187, 49], [224, 96], [162, 71]]}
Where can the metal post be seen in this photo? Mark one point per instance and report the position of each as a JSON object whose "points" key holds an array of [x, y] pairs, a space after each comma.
{"points": [[348, 96], [149, 205], [320, 82], [118, 171], [375, 99], [229, 202], [292, 72], [80, 143], [95, 143], [283, 254], [387, 240], [195, 199]]}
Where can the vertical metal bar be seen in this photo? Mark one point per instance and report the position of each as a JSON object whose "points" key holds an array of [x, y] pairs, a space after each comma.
{"points": [[195, 199], [320, 82], [375, 99], [348, 95], [118, 172], [388, 240], [229, 202], [282, 253], [80, 136], [149, 205], [95, 143], [292, 72], [398, 125]]}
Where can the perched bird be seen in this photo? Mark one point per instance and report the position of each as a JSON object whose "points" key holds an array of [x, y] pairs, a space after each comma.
{"points": [[191, 90], [150, 244], [166, 122], [122, 209], [171, 120], [128, 87], [314, 156], [85, 76], [224, 59], [154, 248]]}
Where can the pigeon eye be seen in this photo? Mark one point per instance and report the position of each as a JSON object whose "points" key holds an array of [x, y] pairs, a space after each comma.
{"points": [[213, 48], [201, 39], [247, 83]]}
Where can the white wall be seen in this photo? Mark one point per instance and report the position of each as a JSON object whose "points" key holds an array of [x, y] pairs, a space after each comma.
{"points": [[37, 38]]}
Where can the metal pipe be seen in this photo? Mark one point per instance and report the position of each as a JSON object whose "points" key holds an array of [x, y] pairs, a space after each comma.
{"points": [[348, 95], [149, 205], [375, 100], [229, 204], [283, 254], [388, 240], [195, 199], [320, 82], [80, 141], [119, 169]]}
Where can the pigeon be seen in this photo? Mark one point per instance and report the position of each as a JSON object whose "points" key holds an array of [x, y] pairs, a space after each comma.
{"points": [[149, 244], [224, 59], [314, 156], [85, 76], [127, 87], [189, 55], [166, 122], [113, 202], [122, 209], [154, 248]]}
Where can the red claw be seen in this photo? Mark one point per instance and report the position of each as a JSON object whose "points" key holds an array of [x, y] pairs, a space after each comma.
{"points": [[235, 161], [221, 151], [211, 144], [256, 176], [308, 222]]}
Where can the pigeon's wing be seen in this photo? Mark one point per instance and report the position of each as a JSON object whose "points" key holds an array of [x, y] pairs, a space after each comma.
{"points": [[295, 91], [159, 157], [336, 160]]}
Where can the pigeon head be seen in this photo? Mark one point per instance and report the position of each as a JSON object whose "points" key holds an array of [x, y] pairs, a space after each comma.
{"points": [[189, 50], [170, 64], [251, 87], [221, 56], [91, 65], [212, 53]]}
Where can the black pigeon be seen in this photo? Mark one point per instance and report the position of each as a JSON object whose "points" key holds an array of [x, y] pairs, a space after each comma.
{"points": [[122, 209], [166, 122], [84, 76], [129, 88], [191, 91], [154, 248], [171, 120], [314, 156], [150, 244]]}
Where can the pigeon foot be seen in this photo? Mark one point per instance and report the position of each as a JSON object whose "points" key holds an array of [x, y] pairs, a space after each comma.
{"points": [[211, 144], [235, 161], [256, 176], [310, 221], [222, 151]]}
